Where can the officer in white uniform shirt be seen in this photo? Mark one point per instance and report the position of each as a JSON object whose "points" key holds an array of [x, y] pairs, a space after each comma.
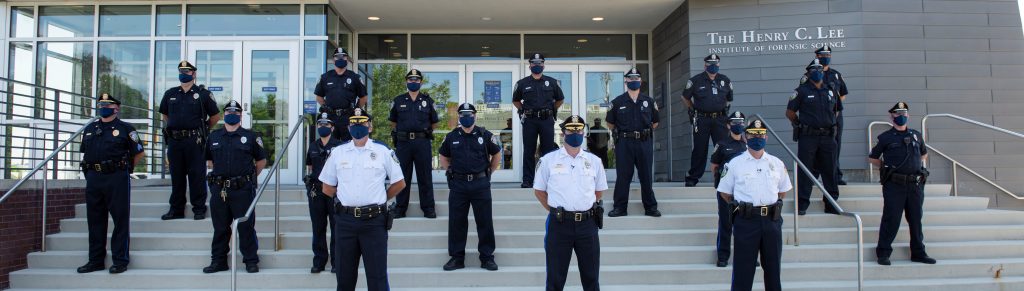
{"points": [[754, 184], [355, 175], [568, 183]]}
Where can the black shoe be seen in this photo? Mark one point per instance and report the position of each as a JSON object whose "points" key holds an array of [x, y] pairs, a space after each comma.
{"points": [[90, 267], [199, 216], [490, 265], [884, 261], [316, 270], [721, 264], [430, 214], [924, 259], [802, 212], [841, 182], [831, 211], [252, 268], [172, 215], [454, 264], [333, 270], [117, 269], [690, 184], [757, 264], [652, 212], [215, 267], [526, 185], [617, 213]]}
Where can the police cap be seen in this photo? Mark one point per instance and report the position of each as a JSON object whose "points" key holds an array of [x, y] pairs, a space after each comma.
{"points": [[712, 59], [414, 74], [359, 116], [737, 116], [107, 99], [185, 65], [573, 123], [232, 106], [467, 107], [633, 72], [340, 52], [900, 106], [537, 57], [815, 63], [824, 50], [324, 120], [757, 127]]}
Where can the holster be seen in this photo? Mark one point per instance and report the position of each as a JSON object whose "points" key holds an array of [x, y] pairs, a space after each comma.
{"points": [[778, 211], [797, 129], [599, 214], [389, 217], [885, 175], [924, 174]]}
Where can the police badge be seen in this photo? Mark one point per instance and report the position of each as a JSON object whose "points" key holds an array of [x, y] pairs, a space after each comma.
{"points": [[244, 140], [373, 156], [480, 140], [645, 103], [547, 83], [115, 132]]}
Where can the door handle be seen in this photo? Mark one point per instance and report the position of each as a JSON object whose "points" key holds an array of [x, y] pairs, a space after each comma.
{"points": [[245, 106]]}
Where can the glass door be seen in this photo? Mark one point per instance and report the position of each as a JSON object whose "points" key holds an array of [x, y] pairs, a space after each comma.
{"points": [[599, 85], [568, 79], [445, 86], [489, 88]]}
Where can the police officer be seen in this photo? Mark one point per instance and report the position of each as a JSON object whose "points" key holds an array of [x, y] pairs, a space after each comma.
{"points": [[339, 91], [354, 176], [812, 109], [708, 96], [469, 154], [321, 207], [833, 79], [189, 112], [754, 184], [724, 152], [110, 150], [537, 98], [633, 118], [237, 158], [568, 184], [413, 120], [597, 141], [901, 154], [505, 137]]}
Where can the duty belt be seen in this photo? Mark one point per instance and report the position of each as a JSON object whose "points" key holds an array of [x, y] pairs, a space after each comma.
{"points": [[562, 215], [230, 182], [905, 179], [410, 135], [341, 112], [184, 133], [748, 210], [367, 212], [108, 166], [817, 131], [637, 134], [465, 177], [710, 114], [537, 113]]}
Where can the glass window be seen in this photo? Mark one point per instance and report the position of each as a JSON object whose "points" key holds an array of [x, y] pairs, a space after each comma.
{"points": [[645, 70], [334, 26], [165, 68], [270, 87], [601, 88], [383, 83], [316, 20], [122, 72], [20, 69], [168, 20], [581, 46], [641, 47], [66, 21], [23, 22], [239, 20], [314, 65], [382, 46], [443, 87], [66, 66], [487, 46], [124, 20]]}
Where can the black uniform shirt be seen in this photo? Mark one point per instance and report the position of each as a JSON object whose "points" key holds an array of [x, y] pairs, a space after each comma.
{"points": [[340, 91], [834, 80], [469, 153], [413, 115], [901, 150], [627, 115], [234, 153], [709, 95], [816, 107], [538, 94], [318, 152], [185, 110], [109, 141]]}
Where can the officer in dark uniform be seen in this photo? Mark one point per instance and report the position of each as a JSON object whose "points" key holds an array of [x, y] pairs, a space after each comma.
{"points": [[321, 207], [814, 130], [833, 79], [633, 118], [237, 157], [537, 98], [110, 150], [597, 142], [362, 175], [413, 120], [470, 154], [724, 152], [505, 137], [708, 96], [903, 154], [754, 184], [189, 112], [339, 91]]}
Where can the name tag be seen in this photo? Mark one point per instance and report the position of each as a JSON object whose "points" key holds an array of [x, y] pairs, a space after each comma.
{"points": [[714, 91]]}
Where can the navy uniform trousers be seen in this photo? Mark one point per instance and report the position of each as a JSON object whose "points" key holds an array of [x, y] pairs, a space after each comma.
{"points": [[108, 194], [560, 240], [366, 238], [321, 209], [223, 213], [632, 153], [705, 128], [819, 153], [463, 194], [839, 143], [757, 235], [415, 152], [723, 243], [901, 199], [188, 169], [532, 129]]}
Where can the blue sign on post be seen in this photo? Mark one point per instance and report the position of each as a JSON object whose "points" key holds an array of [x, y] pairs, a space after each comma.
{"points": [[309, 107], [492, 94]]}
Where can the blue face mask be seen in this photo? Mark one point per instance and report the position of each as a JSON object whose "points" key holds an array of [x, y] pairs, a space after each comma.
{"points": [[467, 121], [756, 143], [817, 75], [323, 131], [900, 120], [340, 63], [633, 85], [359, 131], [232, 119], [825, 60], [574, 139], [413, 87], [106, 112], [737, 128], [713, 69], [184, 78], [536, 69]]}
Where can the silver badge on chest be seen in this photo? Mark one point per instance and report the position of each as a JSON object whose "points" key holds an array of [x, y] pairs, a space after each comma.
{"points": [[195, 95], [645, 103], [423, 103], [480, 140], [373, 156], [348, 81], [244, 140], [547, 83]]}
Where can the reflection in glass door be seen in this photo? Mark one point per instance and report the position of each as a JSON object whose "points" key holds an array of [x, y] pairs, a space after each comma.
{"points": [[489, 88], [218, 67], [567, 79], [443, 84], [600, 85]]}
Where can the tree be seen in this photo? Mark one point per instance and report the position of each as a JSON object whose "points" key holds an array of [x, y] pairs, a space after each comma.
{"points": [[387, 81]]}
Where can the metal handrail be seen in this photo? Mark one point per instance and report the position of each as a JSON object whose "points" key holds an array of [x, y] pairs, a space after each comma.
{"points": [[924, 135], [871, 138], [275, 172], [828, 197]]}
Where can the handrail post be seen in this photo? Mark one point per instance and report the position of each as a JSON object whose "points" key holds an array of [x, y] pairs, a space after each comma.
{"points": [[796, 204], [860, 252], [234, 254], [56, 130], [956, 182], [277, 208], [42, 235]]}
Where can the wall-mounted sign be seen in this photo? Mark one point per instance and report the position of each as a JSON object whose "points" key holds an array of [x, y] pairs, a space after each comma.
{"points": [[269, 89], [215, 89], [492, 94], [761, 42]]}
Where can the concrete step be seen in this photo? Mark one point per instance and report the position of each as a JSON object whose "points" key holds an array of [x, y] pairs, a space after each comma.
{"points": [[534, 239], [667, 206], [524, 223], [658, 255], [514, 276]]}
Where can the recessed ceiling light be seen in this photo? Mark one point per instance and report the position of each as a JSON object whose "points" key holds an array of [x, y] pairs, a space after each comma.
{"points": [[485, 18], [373, 18], [597, 19], [485, 47], [394, 47], [397, 55], [388, 40], [582, 40]]}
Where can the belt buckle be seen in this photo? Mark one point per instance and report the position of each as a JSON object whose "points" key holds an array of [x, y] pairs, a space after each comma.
{"points": [[227, 183], [578, 216], [636, 134], [412, 135], [97, 167], [469, 178], [358, 212], [764, 211]]}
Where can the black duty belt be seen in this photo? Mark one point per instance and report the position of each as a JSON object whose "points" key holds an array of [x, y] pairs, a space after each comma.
{"points": [[232, 183], [748, 210], [537, 113], [466, 177], [710, 114], [822, 131], [341, 112], [562, 215], [403, 135], [108, 166], [184, 133], [367, 212], [905, 179], [637, 134]]}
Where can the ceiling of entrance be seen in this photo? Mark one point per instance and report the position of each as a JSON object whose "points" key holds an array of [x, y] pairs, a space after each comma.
{"points": [[505, 15]]}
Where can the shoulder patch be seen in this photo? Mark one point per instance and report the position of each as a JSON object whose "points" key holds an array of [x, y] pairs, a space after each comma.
{"points": [[725, 170], [689, 84], [259, 141], [134, 135], [791, 97], [803, 79]]}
